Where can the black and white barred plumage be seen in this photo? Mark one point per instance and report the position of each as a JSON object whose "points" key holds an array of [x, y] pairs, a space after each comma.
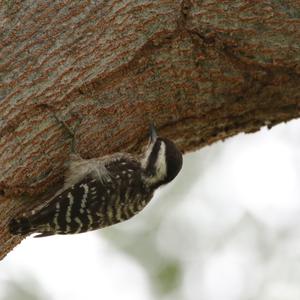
{"points": [[104, 191]]}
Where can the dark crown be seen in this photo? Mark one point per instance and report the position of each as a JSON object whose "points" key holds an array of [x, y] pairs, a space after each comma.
{"points": [[174, 160]]}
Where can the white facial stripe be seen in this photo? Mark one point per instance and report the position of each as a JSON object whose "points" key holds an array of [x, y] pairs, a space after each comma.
{"points": [[160, 164], [147, 155]]}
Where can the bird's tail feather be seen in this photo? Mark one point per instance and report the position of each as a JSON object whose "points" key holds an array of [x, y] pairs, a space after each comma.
{"points": [[20, 226]]}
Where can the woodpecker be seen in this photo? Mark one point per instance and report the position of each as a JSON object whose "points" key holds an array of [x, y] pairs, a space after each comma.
{"points": [[100, 192]]}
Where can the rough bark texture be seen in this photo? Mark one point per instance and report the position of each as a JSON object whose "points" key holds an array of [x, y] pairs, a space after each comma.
{"points": [[202, 70]]}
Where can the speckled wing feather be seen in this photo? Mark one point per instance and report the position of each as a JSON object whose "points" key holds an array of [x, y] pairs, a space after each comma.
{"points": [[91, 203]]}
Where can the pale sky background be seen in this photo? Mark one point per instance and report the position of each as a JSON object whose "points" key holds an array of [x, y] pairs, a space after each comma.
{"points": [[231, 219]]}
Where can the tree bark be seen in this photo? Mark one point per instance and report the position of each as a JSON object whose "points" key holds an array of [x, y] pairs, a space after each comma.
{"points": [[201, 70]]}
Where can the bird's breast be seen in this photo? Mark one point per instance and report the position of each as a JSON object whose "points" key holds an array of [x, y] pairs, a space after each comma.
{"points": [[123, 194]]}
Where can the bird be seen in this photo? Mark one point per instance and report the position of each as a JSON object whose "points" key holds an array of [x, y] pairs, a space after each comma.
{"points": [[100, 192]]}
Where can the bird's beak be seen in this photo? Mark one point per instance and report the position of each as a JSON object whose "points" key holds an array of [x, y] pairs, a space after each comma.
{"points": [[153, 134]]}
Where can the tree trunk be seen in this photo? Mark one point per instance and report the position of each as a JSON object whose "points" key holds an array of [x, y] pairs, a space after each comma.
{"points": [[201, 70]]}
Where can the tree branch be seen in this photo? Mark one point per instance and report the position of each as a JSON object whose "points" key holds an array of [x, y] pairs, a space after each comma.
{"points": [[202, 70]]}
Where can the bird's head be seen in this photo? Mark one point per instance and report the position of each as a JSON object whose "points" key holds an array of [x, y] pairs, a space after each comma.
{"points": [[162, 160]]}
